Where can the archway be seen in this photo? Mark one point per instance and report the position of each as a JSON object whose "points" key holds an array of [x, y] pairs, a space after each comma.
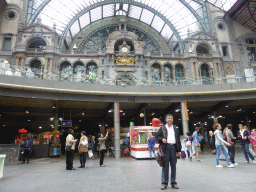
{"points": [[35, 66], [65, 71], [78, 73]]}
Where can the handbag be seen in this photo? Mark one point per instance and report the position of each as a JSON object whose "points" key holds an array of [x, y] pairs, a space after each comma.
{"points": [[84, 143], [188, 143], [68, 148], [160, 154]]}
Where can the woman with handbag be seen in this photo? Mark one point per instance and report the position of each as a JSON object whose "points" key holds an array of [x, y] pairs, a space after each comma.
{"points": [[102, 147], [70, 148], [188, 144], [83, 148]]}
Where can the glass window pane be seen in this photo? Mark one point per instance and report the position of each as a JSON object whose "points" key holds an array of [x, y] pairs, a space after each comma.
{"points": [[75, 29], [84, 20], [108, 10], [135, 12], [158, 23], [147, 16], [96, 14]]}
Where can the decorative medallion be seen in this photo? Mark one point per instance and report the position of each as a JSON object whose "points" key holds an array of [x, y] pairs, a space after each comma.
{"points": [[125, 60]]}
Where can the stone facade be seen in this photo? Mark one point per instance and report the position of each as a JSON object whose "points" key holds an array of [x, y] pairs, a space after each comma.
{"points": [[225, 51]]}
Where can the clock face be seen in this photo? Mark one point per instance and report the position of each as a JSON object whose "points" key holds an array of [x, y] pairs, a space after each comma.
{"points": [[124, 49]]}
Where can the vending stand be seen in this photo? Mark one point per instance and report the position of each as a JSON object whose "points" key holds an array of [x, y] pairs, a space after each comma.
{"points": [[138, 141]]}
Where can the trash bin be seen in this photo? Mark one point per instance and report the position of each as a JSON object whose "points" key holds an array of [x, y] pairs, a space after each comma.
{"points": [[2, 158]]}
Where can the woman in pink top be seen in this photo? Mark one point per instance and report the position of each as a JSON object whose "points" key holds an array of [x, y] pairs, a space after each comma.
{"points": [[252, 138]]}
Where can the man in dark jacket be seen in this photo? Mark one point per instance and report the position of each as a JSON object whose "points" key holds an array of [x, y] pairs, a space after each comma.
{"points": [[27, 148], [169, 138]]}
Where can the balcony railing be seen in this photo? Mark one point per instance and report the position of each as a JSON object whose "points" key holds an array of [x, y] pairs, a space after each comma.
{"points": [[111, 80]]}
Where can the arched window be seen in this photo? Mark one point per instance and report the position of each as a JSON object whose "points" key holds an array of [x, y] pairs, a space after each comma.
{"points": [[168, 72], [65, 71], [90, 66], [205, 70], [156, 72], [35, 66], [37, 43], [202, 49], [179, 72], [251, 49], [78, 74]]}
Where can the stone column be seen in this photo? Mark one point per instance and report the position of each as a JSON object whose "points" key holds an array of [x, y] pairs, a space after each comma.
{"points": [[215, 68], [174, 75], [215, 119], [50, 68], [45, 67], [197, 75], [117, 129], [219, 69], [192, 70], [22, 65], [184, 120], [17, 61]]}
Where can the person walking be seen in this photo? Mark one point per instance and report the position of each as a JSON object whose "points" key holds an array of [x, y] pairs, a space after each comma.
{"points": [[188, 144], [27, 147], [151, 145], [219, 142], [168, 137], [102, 147], [243, 135], [83, 148], [91, 143], [201, 141], [252, 138], [196, 145], [92, 76], [230, 140], [212, 142], [70, 141]]}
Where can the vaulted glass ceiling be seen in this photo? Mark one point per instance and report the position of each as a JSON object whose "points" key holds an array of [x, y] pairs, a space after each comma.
{"points": [[171, 18]]}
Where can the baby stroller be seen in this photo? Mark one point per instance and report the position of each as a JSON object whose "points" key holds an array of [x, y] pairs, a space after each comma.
{"points": [[126, 150]]}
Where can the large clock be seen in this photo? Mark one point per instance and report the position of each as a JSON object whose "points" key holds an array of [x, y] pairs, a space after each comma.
{"points": [[124, 49]]}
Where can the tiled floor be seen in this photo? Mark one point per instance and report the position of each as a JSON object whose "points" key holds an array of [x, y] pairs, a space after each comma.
{"points": [[127, 174]]}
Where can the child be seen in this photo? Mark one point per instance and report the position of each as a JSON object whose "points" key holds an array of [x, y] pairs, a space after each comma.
{"points": [[252, 138]]}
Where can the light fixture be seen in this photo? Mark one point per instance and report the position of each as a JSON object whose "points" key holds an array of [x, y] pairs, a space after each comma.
{"points": [[80, 120], [27, 111], [177, 110], [52, 125], [242, 121], [58, 125], [153, 113], [179, 119], [28, 119], [106, 125], [60, 119], [40, 127], [51, 118], [226, 106], [83, 113], [194, 124], [141, 114], [150, 123], [99, 125], [123, 113], [110, 110], [54, 106], [253, 111], [249, 121]]}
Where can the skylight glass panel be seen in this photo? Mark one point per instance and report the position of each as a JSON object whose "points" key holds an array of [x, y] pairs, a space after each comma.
{"points": [[84, 20], [125, 7], [68, 37], [117, 6], [167, 32], [147, 16], [37, 3], [75, 28], [158, 23], [135, 12], [108, 10], [96, 14]]}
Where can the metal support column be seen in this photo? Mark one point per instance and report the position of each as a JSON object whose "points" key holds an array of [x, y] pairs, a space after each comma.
{"points": [[184, 120], [117, 129]]}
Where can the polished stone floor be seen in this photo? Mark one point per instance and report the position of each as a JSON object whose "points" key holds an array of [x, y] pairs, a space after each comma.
{"points": [[127, 174]]}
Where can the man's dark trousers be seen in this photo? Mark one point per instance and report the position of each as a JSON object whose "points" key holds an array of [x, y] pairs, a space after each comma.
{"points": [[170, 156], [69, 159], [231, 150]]}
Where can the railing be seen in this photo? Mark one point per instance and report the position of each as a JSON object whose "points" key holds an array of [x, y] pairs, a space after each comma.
{"points": [[204, 55], [111, 80]]}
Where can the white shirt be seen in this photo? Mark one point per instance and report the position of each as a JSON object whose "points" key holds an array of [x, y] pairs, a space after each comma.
{"points": [[171, 134]]}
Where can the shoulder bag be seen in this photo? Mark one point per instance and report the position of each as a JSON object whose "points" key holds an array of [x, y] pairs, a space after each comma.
{"points": [[188, 143], [160, 154]]}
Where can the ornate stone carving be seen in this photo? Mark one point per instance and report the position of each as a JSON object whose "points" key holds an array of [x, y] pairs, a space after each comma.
{"points": [[125, 60]]}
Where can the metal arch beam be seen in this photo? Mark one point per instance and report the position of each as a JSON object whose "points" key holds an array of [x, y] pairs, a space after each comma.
{"points": [[122, 1], [37, 11], [205, 28]]}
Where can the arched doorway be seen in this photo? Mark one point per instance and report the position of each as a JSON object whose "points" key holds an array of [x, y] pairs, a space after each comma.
{"points": [[65, 71], [179, 73], [37, 43], [35, 66], [78, 74], [168, 76], [156, 72], [205, 73]]}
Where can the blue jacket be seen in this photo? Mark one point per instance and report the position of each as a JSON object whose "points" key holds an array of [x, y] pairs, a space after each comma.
{"points": [[28, 144], [91, 144], [152, 142], [246, 134]]}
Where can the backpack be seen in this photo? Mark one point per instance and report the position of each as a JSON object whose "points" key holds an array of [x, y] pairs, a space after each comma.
{"points": [[26, 144]]}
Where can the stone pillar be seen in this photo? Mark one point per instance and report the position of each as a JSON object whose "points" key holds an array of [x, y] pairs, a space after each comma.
{"points": [[17, 62], [117, 129], [197, 75], [215, 119], [50, 68], [56, 116], [192, 70], [22, 65], [215, 69], [184, 120], [45, 67], [219, 68], [174, 75]]}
